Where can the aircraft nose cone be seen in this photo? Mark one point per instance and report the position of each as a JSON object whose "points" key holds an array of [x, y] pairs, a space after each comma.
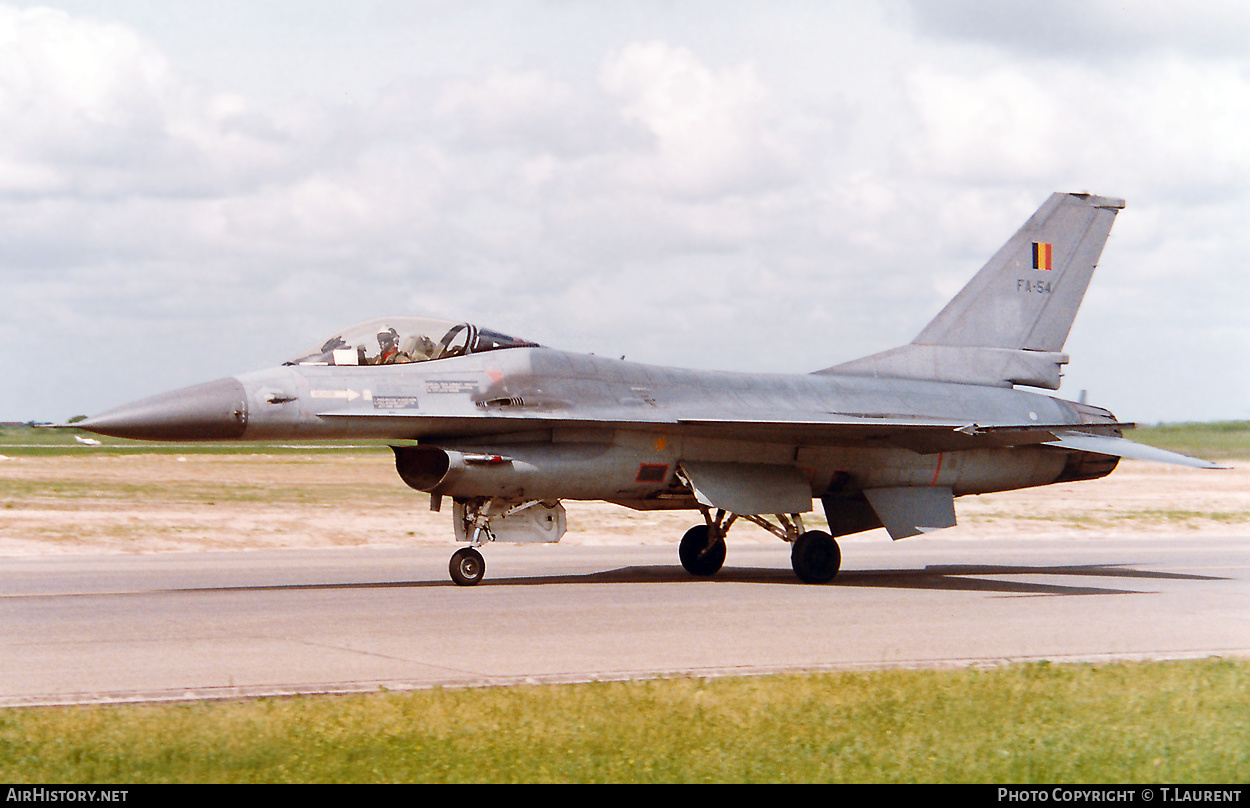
{"points": [[211, 411]]}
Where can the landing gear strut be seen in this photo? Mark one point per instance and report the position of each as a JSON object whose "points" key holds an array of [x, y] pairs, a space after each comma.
{"points": [[467, 565], [814, 554], [483, 520]]}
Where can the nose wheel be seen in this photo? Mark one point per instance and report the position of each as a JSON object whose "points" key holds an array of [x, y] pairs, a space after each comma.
{"points": [[467, 566]]}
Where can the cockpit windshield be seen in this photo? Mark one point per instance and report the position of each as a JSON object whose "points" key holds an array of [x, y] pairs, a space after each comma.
{"points": [[401, 340]]}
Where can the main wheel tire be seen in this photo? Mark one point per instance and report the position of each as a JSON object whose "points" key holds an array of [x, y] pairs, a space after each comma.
{"points": [[697, 555], [467, 566], [815, 557]]}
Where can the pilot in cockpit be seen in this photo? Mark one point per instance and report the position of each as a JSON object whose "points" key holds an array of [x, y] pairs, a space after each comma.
{"points": [[389, 353]]}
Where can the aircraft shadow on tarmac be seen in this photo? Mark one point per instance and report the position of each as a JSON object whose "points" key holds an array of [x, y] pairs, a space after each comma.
{"points": [[956, 578], [948, 577]]}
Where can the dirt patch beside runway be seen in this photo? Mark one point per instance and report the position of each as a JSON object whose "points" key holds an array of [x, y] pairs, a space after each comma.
{"points": [[152, 503]]}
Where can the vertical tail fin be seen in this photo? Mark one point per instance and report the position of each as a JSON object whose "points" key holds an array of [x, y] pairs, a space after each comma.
{"points": [[1009, 324], [1027, 295]]}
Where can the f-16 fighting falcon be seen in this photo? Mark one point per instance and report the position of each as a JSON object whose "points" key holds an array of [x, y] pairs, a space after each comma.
{"points": [[505, 429]]}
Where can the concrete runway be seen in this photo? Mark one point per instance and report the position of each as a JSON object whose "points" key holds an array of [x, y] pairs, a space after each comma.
{"points": [[171, 626]]}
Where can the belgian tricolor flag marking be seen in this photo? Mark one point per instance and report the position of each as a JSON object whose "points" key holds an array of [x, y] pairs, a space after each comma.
{"points": [[1041, 254]]}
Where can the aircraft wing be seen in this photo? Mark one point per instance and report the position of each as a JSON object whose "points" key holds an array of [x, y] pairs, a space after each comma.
{"points": [[815, 429], [823, 429]]}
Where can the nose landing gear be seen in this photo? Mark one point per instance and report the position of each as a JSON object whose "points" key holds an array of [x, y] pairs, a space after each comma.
{"points": [[467, 566], [482, 520]]}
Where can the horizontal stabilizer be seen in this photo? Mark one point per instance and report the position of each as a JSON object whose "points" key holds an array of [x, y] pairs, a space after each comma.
{"points": [[749, 488], [1120, 447], [912, 511]]}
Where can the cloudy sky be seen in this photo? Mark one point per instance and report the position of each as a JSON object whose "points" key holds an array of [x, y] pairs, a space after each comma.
{"points": [[196, 189]]}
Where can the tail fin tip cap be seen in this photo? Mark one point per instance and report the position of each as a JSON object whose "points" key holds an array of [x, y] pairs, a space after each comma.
{"points": [[1109, 202]]}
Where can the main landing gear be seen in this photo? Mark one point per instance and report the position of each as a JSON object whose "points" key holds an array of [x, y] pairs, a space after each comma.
{"points": [[814, 554], [702, 550], [815, 557]]}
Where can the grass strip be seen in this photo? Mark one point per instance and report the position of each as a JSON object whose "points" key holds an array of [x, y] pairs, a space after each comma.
{"points": [[1174, 722], [1217, 440]]}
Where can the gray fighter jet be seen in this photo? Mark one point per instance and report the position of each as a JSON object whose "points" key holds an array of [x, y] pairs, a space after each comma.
{"points": [[507, 428]]}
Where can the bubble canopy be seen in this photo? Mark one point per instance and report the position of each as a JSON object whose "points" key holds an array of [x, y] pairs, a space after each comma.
{"points": [[403, 340]]}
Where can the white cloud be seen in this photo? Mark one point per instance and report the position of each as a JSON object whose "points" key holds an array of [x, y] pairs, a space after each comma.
{"points": [[72, 93], [92, 109], [989, 127], [1167, 127], [714, 132]]}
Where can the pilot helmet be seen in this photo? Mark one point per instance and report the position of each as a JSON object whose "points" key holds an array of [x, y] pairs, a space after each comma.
{"points": [[387, 337]]}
